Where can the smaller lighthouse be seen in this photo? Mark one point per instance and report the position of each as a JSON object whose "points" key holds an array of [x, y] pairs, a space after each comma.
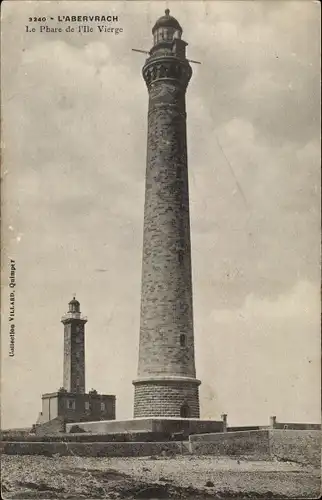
{"points": [[74, 348], [71, 403]]}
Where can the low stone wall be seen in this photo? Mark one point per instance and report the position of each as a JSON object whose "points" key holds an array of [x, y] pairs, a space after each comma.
{"points": [[139, 437], [14, 434], [250, 443], [299, 446], [92, 449], [247, 428], [114, 426], [298, 427], [163, 425], [302, 446], [187, 426]]}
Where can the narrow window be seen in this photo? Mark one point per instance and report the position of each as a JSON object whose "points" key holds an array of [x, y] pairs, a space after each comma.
{"points": [[184, 411], [183, 340], [87, 405], [71, 404], [102, 406]]}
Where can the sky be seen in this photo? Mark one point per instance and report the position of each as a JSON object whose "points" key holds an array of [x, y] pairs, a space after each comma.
{"points": [[74, 126]]}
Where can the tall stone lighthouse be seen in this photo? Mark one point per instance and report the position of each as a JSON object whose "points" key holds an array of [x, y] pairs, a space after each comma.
{"points": [[166, 385]]}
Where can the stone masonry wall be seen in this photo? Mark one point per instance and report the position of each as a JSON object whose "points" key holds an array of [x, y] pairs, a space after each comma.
{"points": [[67, 357], [166, 304], [152, 427], [91, 449], [56, 425], [107, 427], [302, 446], [298, 445], [250, 443], [297, 427], [165, 399], [74, 356], [79, 412]]}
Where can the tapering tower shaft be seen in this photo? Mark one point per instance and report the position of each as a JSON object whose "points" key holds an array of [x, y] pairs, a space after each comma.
{"points": [[166, 385]]}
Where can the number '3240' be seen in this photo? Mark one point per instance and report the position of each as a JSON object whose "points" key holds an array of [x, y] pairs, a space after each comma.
{"points": [[37, 19]]}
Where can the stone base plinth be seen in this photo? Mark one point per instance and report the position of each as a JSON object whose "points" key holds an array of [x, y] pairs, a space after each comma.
{"points": [[166, 396], [166, 425]]}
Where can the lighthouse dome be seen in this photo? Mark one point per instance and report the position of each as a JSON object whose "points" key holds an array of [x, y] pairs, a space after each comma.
{"points": [[74, 302], [166, 29], [167, 21], [74, 305]]}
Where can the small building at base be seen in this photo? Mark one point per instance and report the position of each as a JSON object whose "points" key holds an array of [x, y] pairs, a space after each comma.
{"points": [[75, 407]]}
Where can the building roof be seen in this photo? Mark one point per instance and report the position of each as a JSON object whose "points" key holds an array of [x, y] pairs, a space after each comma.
{"points": [[167, 21]]}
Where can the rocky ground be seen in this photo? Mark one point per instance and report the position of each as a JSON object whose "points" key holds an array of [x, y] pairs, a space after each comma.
{"points": [[180, 477]]}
